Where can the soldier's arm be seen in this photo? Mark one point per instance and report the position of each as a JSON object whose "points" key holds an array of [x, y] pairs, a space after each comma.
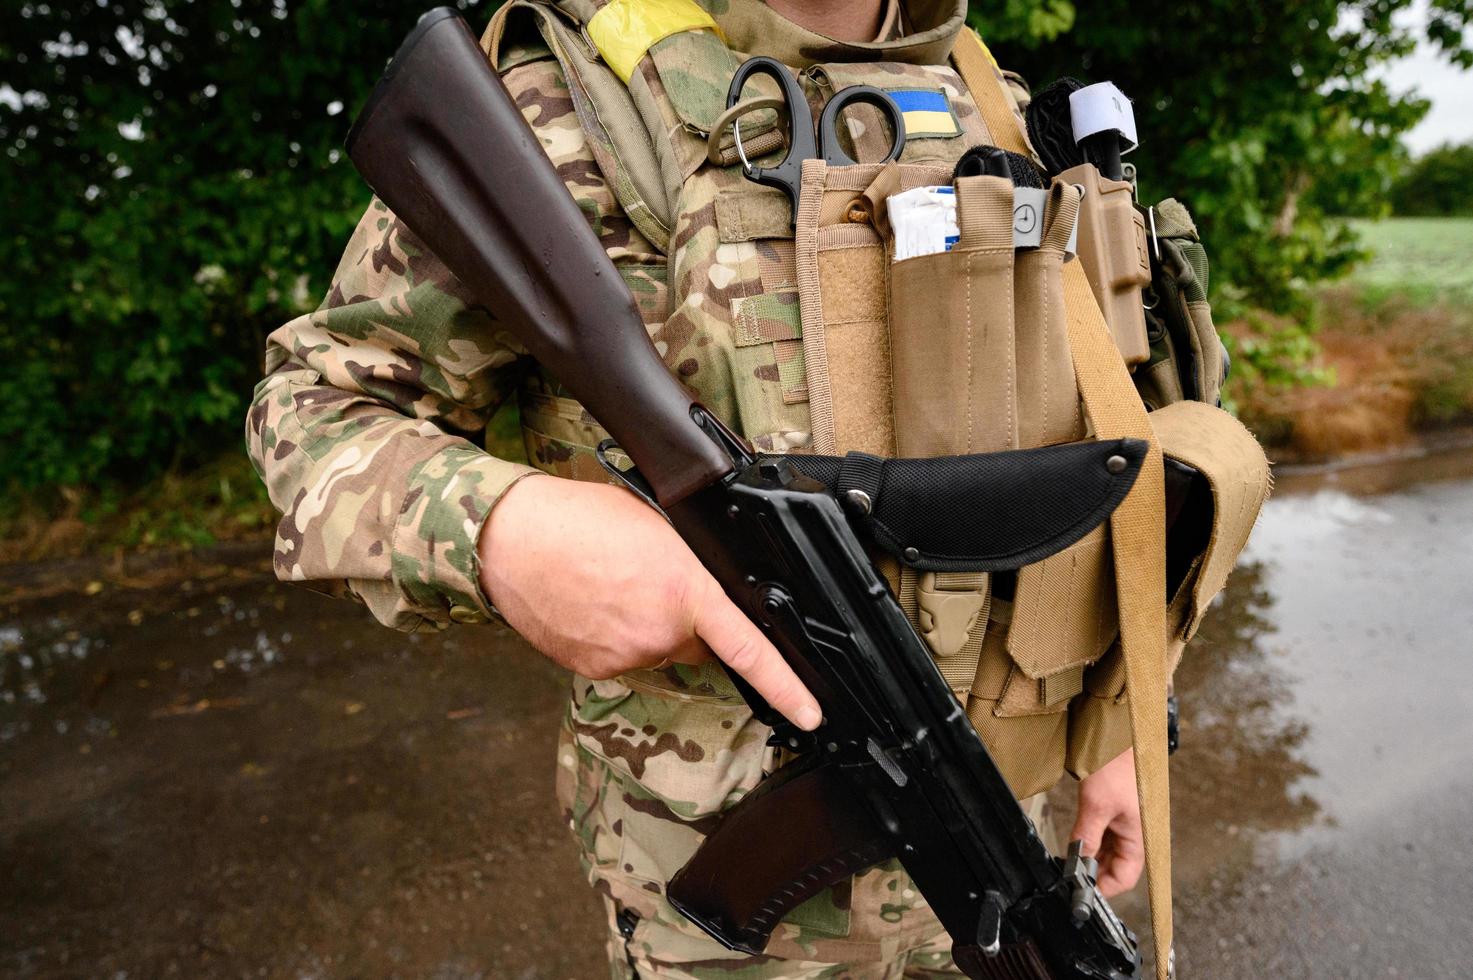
{"points": [[362, 430], [366, 427]]}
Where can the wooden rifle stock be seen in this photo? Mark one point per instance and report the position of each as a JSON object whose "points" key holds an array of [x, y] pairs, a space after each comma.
{"points": [[443, 145]]}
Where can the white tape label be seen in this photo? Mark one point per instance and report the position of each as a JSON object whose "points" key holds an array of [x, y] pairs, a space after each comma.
{"points": [[1103, 108], [1028, 204]]}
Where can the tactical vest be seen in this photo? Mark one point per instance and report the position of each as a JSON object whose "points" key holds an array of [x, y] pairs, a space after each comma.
{"points": [[801, 333]]}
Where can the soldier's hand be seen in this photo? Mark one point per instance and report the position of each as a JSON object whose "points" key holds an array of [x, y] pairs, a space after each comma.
{"points": [[1109, 824], [601, 584]]}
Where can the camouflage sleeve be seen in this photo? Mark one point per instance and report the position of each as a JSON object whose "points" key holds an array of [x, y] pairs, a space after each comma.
{"points": [[362, 428]]}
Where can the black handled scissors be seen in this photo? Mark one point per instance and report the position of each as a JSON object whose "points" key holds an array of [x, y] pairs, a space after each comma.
{"points": [[804, 142]]}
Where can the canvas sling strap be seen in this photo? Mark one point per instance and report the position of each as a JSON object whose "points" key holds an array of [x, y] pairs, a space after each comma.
{"points": [[1137, 528]]}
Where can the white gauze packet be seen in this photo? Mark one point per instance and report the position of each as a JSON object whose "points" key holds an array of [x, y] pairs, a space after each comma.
{"points": [[924, 221]]}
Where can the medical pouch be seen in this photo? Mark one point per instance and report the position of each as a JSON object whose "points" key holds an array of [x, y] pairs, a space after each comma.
{"points": [[1049, 411], [843, 276], [1113, 248], [952, 333]]}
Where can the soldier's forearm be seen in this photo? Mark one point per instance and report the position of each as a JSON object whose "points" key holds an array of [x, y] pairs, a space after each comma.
{"points": [[600, 583], [366, 384], [369, 497]]}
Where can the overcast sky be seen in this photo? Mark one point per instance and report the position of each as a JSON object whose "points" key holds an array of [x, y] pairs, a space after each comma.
{"points": [[1449, 88]]}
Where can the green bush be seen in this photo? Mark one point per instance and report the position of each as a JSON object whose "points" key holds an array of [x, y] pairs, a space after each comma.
{"points": [[174, 190], [1269, 121], [1439, 184]]}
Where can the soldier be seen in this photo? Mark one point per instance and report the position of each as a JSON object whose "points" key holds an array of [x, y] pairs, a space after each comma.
{"points": [[367, 431]]}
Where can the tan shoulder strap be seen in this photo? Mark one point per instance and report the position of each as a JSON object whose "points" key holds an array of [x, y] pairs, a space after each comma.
{"points": [[1137, 528], [984, 79], [491, 36]]}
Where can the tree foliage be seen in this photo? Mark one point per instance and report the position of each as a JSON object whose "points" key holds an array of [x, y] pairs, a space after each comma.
{"points": [[1438, 184], [173, 190], [173, 187]]}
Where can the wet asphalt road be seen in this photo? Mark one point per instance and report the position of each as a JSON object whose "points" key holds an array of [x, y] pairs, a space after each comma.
{"points": [[1323, 797], [204, 773], [238, 778]]}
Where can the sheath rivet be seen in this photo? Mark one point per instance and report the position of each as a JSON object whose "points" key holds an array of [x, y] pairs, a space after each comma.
{"points": [[1116, 464], [859, 502], [912, 555]]}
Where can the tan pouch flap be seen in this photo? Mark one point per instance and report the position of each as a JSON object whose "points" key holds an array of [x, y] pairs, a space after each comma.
{"points": [[1065, 610], [1222, 450], [749, 212]]}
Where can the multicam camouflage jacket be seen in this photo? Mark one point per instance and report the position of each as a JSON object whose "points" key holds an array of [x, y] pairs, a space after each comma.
{"points": [[368, 425], [368, 431]]}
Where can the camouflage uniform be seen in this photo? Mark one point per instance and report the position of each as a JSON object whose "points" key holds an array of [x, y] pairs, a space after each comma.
{"points": [[366, 430]]}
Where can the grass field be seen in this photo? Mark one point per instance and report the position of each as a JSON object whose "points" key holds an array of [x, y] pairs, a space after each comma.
{"points": [[1395, 341], [1427, 260]]}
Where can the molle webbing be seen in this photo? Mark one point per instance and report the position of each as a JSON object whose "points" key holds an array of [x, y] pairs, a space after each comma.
{"points": [[1137, 526]]}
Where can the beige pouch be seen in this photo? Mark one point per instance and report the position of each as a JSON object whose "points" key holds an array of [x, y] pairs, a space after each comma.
{"points": [[842, 264], [1112, 246], [951, 322], [1030, 748], [1049, 411], [1237, 472]]}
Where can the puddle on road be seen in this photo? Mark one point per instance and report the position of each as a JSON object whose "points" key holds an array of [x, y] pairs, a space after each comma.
{"points": [[190, 639], [1322, 795], [281, 785]]}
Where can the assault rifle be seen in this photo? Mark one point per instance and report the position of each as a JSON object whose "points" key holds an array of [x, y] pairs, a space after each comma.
{"points": [[896, 769]]}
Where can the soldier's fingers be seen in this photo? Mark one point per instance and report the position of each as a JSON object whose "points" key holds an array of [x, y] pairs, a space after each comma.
{"points": [[693, 652], [743, 648], [1089, 830], [1122, 866]]}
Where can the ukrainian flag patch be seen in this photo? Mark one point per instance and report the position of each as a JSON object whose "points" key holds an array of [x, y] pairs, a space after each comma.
{"points": [[926, 111]]}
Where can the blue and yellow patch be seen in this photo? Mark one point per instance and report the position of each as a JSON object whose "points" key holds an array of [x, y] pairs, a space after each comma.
{"points": [[926, 111]]}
